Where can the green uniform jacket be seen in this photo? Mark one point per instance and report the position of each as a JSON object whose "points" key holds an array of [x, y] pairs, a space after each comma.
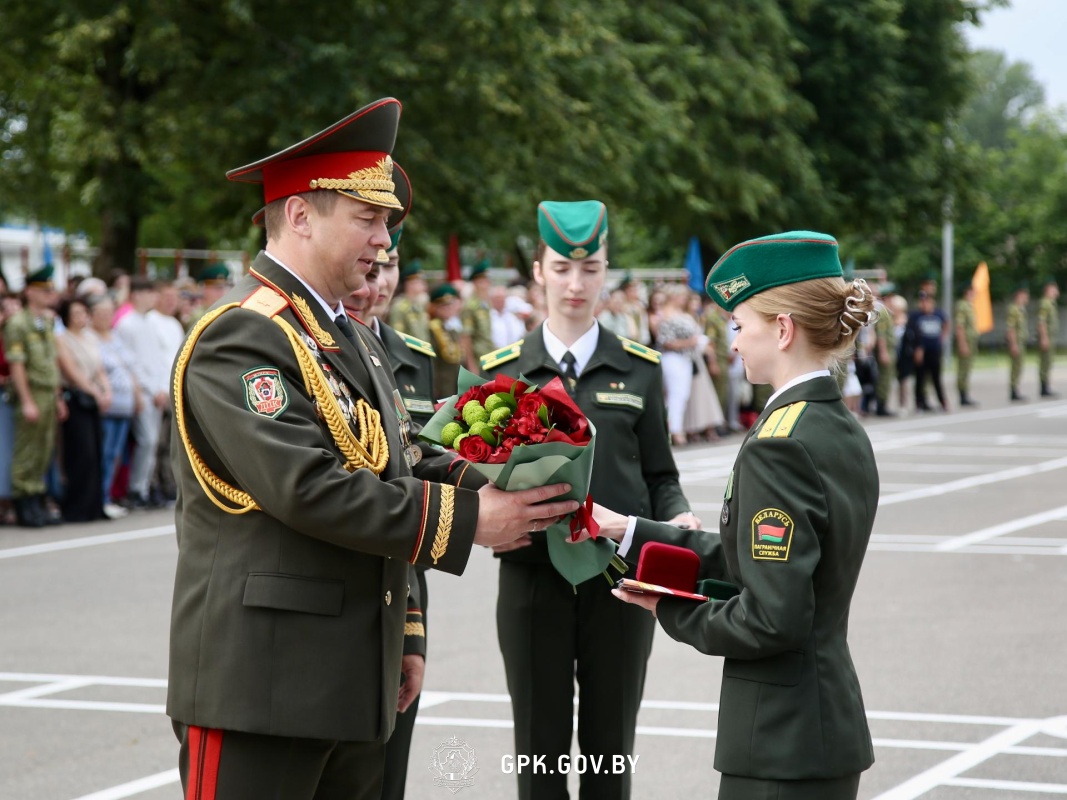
{"points": [[965, 318], [31, 341], [478, 323], [1047, 315], [289, 620], [407, 316], [1019, 322], [622, 394], [798, 514], [412, 362]]}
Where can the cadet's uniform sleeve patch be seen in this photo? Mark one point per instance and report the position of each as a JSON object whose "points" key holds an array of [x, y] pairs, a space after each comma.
{"points": [[418, 345], [782, 421], [638, 349], [502, 356], [772, 535], [265, 391]]}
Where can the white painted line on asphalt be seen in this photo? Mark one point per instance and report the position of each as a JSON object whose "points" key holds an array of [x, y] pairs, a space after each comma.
{"points": [[941, 420], [969, 759], [43, 689], [98, 680], [970, 483], [992, 532], [135, 787], [86, 705], [85, 541], [1008, 786]]}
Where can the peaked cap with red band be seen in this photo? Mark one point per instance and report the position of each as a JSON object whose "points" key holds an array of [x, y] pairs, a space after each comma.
{"points": [[351, 156]]}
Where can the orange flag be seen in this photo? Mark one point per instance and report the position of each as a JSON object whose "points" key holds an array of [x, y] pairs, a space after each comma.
{"points": [[983, 305]]}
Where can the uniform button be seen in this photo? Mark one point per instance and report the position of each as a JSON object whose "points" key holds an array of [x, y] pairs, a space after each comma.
{"points": [[388, 597]]}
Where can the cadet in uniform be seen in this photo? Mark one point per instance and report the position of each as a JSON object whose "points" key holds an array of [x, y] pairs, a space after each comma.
{"points": [[409, 314], [1018, 331], [885, 353], [1048, 325], [796, 518], [214, 280], [446, 336], [30, 342], [477, 319], [298, 515], [966, 344], [549, 631]]}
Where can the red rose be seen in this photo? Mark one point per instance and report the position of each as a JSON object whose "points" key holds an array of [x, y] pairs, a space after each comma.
{"points": [[475, 449], [529, 404]]}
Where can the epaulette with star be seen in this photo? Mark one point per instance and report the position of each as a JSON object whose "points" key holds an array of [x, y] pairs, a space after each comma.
{"points": [[782, 421], [418, 345], [501, 356], [638, 349]]}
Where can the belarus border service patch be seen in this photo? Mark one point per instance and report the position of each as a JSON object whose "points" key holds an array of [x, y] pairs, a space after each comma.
{"points": [[772, 534], [265, 391]]}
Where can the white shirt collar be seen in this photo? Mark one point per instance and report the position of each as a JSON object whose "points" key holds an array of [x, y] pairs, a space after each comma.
{"points": [[807, 376], [582, 349], [333, 312]]}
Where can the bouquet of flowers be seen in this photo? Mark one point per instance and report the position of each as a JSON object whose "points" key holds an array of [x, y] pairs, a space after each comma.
{"points": [[521, 436]]}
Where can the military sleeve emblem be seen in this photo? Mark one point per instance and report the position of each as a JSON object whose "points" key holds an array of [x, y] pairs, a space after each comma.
{"points": [[265, 391], [772, 535]]}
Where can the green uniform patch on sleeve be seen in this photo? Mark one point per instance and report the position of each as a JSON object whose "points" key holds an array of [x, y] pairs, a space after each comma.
{"points": [[502, 356], [638, 349], [265, 391]]}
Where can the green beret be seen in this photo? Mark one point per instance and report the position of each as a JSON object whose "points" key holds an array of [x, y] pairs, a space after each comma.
{"points": [[1049, 281], [625, 283], [754, 266], [412, 269], [394, 236], [479, 269], [442, 291], [214, 275], [41, 277], [574, 230], [1022, 286]]}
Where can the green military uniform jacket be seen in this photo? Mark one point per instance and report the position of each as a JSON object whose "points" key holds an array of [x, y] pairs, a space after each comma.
{"points": [[797, 516], [407, 316], [965, 319], [621, 392], [1048, 316], [289, 619], [1018, 322], [885, 328], [31, 341], [412, 360], [478, 324]]}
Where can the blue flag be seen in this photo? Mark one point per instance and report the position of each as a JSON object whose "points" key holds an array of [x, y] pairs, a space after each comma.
{"points": [[46, 252], [694, 265]]}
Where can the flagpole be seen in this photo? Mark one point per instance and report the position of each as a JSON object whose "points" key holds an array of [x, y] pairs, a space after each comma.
{"points": [[946, 273]]}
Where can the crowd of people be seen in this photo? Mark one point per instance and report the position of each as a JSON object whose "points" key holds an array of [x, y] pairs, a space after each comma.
{"points": [[85, 373], [85, 432]]}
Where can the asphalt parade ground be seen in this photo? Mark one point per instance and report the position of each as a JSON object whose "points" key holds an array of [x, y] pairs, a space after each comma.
{"points": [[957, 632]]}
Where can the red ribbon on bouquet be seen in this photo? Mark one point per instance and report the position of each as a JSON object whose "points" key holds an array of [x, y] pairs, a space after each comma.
{"points": [[583, 520]]}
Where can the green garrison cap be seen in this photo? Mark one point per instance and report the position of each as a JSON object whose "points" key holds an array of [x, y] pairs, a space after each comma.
{"points": [[412, 269], [479, 269], [41, 277], [443, 291], [394, 236], [214, 275], [574, 230], [754, 266]]}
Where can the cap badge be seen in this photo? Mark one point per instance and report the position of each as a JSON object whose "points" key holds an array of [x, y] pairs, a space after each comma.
{"points": [[727, 289], [579, 252], [375, 182]]}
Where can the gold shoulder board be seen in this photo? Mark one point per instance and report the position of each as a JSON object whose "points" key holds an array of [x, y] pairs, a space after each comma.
{"points": [[638, 349], [418, 345], [265, 301], [502, 356], [782, 421]]}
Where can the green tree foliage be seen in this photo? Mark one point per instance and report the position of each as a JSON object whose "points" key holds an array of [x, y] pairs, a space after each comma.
{"points": [[723, 120]]}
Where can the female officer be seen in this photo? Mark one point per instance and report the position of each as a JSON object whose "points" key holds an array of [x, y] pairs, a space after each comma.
{"points": [[549, 631], [797, 514]]}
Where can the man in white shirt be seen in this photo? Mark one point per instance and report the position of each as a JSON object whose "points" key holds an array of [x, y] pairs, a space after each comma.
{"points": [[171, 335], [507, 327]]}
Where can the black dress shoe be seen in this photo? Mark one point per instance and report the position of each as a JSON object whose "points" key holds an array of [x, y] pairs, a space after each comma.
{"points": [[1017, 398], [28, 513], [50, 511]]}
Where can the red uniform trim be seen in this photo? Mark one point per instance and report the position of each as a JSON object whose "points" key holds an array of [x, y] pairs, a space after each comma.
{"points": [[268, 282], [205, 751], [422, 527]]}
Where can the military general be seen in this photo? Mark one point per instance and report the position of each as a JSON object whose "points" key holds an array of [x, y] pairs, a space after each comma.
{"points": [[301, 505]]}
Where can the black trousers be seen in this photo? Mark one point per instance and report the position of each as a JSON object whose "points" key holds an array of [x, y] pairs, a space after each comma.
{"points": [[231, 765], [83, 498], [549, 635], [929, 368], [735, 787]]}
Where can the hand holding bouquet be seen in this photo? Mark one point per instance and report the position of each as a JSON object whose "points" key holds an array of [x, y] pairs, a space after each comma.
{"points": [[521, 436]]}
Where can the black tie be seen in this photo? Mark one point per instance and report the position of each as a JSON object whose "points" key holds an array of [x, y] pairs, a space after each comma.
{"points": [[570, 375], [345, 326]]}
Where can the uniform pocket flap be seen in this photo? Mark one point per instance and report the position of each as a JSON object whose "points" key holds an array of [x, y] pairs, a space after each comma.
{"points": [[783, 669], [294, 593]]}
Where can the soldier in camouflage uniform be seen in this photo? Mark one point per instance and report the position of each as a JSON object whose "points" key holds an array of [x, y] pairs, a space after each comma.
{"points": [[885, 352], [718, 352], [1017, 333], [966, 344], [29, 338], [1048, 325], [409, 314], [477, 319]]}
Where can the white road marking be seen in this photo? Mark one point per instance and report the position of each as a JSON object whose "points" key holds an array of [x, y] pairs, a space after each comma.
{"points": [[135, 787], [85, 541], [970, 483], [985, 534], [1008, 786]]}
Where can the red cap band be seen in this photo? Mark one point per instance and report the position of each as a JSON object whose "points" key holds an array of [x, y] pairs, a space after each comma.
{"points": [[294, 175]]}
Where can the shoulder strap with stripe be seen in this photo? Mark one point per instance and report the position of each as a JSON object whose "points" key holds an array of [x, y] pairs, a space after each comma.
{"points": [[782, 421], [638, 349], [418, 345], [502, 356]]}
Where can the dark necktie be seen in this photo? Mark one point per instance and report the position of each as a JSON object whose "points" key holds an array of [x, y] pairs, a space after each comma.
{"points": [[345, 326], [570, 375]]}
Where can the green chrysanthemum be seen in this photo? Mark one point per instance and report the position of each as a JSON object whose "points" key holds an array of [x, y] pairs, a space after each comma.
{"points": [[473, 412], [449, 433], [500, 415], [485, 430]]}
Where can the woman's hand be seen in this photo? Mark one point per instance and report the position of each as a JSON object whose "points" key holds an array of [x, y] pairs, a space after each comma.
{"points": [[648, 602], [687, 519]]}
